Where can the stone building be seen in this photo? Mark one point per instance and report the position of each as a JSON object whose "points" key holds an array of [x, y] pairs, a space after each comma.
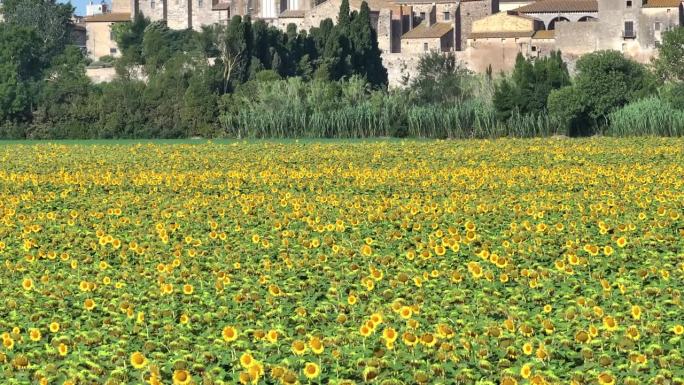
{"points": [[98, 30], [482, 33]]}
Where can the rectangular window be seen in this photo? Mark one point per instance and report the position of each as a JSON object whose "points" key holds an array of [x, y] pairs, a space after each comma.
{"points": [[629, 29], [534, 48], [200, 3], [447, 16], [426, 47], [656, 26], [112, 51], [111, 35], [629, 4], [152, 4], [422, 16]]}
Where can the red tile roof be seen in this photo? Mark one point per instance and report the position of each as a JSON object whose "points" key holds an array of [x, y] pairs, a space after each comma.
{"points": [[422, 31], [548, 6], [109, 17], [662, 4]]}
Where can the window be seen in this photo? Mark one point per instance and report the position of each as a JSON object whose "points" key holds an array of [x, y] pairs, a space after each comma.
{"points": [[426, 47], [629, 4], [422, 16], [111, 35], [629, 30], [447, 16], [152, 4], [112, 51], [200, 3], [534, 48], [656, 26]]}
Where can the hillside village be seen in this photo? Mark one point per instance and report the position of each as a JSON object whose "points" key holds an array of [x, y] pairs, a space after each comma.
{"points": [[482, 33]]}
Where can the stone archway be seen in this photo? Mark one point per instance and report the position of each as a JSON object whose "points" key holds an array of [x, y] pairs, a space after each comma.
{"points": [[587, 18], [552, 23]]}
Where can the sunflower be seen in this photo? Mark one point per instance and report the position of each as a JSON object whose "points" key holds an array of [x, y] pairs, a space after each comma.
{"points": [[229, 334], [311, 370], [246, 360], [27, 284], [632, 333], [316, 345], [405, 312], [606, 378], [34, 335], [188, 289], [389, 334], [8, 343], [636, 312], [181, 377], [62, 349], [610, 323], [138, 360], [272, 336], [621, 242], [526, 371], [54, 327], [89, 304], [678, 329], [409, 339], [365, 331], [528, 348], [298, 347], [508, 380], [428, 340]]}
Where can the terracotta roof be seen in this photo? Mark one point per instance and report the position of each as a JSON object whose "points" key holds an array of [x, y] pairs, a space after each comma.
{"points": [[220, 6], [662, 4], [374, 5], [109, 17], [548, 6], [292, 13], [422, 31], [500, 35], [544, 34]]}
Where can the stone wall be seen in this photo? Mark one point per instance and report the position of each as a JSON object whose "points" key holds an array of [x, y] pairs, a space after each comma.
{"points": [[420, 47], [384, 30], [177, 14], [468, 12], [499, 53], [400, 67], [153, 9]]}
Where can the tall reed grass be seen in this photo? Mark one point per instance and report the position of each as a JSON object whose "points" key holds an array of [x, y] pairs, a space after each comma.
{"points": [[646, 117]]}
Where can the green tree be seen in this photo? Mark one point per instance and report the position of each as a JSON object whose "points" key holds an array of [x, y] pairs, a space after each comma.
{"points": [[51, 22], [669, 64], [129, 38], [441, 78], [62, 110], [20, 69], [528, 88], [607, 81], [366, 55]]}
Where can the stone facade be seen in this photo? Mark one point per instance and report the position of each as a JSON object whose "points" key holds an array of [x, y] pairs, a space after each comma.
{"points": [[468, 12], [99, 39]]}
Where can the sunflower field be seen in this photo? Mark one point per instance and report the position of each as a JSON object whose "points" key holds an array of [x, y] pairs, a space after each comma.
{"points": [[541, 261]]}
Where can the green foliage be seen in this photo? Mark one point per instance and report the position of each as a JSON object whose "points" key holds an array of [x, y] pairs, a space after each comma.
{"points": [[649, 116], [673, 94], [48, 19], [20, 68], [528, 88], [441, 79], [669, 64], [129, 38], [606, 81]]}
